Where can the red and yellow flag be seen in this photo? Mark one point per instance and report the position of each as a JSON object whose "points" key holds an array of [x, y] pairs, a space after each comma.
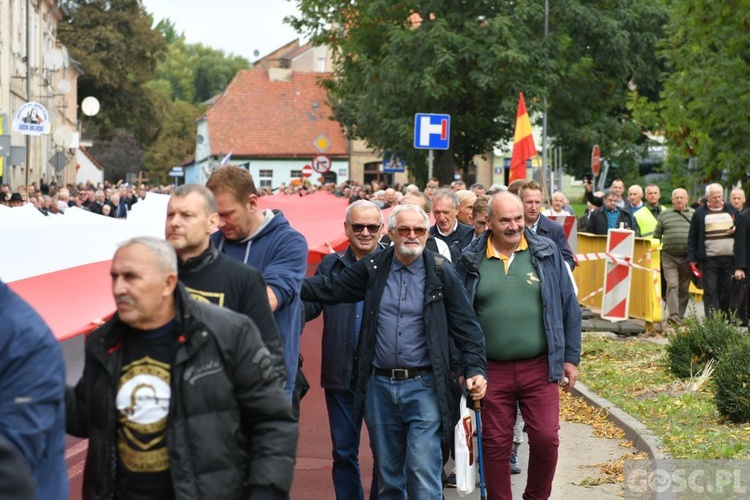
{"points": [[523, 143]]}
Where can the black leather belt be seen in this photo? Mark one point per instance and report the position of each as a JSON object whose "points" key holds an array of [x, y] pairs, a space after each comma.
{"points": [[402, 373]]}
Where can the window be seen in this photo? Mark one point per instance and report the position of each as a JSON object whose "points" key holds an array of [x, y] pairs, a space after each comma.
{"points": [[295, 174], [321, 65], [265, 178]]}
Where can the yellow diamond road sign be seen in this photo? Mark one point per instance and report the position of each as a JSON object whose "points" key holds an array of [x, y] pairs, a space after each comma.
{"points": [[322, 143]]}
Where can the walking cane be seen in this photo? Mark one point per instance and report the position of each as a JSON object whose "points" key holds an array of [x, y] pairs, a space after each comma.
{"points": [[478, 405]]}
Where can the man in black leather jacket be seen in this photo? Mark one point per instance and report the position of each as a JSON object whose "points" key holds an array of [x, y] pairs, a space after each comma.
{"points": [[179, 399]]}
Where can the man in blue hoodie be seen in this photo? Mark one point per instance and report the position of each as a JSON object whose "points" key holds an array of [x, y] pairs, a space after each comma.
{"points": [[32, 384], [265, 240]]}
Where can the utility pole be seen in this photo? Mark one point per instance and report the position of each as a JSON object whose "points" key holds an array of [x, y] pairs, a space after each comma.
{"points": [[29, 23]]}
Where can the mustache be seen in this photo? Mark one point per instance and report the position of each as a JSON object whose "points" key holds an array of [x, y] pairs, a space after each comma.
{"points": [[124, 299], [511, 232]]}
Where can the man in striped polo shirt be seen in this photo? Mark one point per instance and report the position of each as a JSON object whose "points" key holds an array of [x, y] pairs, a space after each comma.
{"points": [[672, 229], [711, 248]]}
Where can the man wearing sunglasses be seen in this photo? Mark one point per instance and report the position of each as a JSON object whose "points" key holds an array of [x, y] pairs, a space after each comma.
{"points": [[363, 226], [414, 305]]}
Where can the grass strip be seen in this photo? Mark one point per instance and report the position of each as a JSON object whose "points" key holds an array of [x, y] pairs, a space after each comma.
{"points": [[632, 373]]}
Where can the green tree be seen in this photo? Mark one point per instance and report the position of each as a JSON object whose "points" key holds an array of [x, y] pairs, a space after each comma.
{"points": [[176, 139], [195, 72], [118, 51], [212, 70], [604, 51], [705, 99], [471, 58]]}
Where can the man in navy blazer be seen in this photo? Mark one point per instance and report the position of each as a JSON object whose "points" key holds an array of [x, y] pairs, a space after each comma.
{"points": [[531, 195]]}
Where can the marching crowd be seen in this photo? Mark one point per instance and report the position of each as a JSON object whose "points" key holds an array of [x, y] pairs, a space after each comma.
{"points": [[192, 389]]}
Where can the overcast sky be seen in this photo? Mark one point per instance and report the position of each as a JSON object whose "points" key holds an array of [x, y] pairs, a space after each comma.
{"points": [[234, 26]]}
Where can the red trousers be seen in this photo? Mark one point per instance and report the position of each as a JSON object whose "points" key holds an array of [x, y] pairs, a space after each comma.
{"points": [[525, 382]]}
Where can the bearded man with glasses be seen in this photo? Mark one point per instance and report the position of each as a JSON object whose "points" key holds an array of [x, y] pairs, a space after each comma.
{"points": [[414, 305]]}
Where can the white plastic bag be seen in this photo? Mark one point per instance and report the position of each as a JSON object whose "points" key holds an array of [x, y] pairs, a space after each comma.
{"points": [[464, 432]]}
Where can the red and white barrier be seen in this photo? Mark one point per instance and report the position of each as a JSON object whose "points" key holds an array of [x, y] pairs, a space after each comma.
{"points": [[569, 224], [615, 301]]}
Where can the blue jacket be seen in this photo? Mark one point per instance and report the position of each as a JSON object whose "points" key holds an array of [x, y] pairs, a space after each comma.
{"points": [[338, 346], [32, 385], [280, 253], [554, 231], [562, 314], [447, 315]]}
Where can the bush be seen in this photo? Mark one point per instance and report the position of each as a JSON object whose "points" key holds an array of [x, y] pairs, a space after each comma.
{"points": [[689, 349], [732, 382]]}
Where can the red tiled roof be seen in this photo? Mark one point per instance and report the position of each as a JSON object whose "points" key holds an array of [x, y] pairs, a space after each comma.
{"points": [[256, 117]]}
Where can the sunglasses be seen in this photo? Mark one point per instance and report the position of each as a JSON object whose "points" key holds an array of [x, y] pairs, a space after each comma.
{"points": [[372, 228], [406, 231]]}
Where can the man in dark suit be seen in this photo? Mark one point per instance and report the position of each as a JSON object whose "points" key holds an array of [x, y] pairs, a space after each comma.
{"points": [[531, 196]]}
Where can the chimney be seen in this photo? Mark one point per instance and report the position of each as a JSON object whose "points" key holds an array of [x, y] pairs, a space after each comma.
{"points": [[280, 70]]}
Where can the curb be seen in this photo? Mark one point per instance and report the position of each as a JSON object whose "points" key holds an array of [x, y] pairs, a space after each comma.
{"points": [[643, 439]]}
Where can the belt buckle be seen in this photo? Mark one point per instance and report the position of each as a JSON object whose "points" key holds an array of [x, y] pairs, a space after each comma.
{"points": [[399, 374]]}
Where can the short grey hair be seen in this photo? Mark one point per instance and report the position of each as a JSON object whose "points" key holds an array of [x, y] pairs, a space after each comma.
{"points": [[165, 255], [209, 200], [446, 193], [363, 204], [715, 185], [407, 208], [425, 200]]}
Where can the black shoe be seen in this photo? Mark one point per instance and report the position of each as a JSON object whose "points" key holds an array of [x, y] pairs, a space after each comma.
{"points": [[450, 482]]}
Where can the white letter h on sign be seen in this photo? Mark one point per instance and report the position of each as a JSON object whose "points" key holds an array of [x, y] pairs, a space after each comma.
{"points": [[426, 129]]}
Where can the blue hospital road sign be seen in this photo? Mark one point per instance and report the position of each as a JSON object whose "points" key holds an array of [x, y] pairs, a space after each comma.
{"points": [[432, 131]]}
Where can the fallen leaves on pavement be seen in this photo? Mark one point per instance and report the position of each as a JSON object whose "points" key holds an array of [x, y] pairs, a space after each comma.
{"points": [[576, 410]]}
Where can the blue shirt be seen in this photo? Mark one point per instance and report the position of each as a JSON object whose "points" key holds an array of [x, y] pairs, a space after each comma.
{"points": [[401, 341], [612, 217]]}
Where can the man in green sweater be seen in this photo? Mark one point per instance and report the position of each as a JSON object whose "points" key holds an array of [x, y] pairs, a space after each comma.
{"points": [[672, 229]]}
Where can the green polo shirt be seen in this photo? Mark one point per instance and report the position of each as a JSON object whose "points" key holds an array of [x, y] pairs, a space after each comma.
{"points": [[508, 303]]}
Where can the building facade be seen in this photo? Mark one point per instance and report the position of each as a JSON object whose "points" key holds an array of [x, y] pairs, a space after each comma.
{"points": [[35, 67]]}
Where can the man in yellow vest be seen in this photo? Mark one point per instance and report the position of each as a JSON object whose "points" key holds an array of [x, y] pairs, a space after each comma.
{"points": [[645, 218]]}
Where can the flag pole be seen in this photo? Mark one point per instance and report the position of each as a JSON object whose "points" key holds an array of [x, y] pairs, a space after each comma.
{"points": [[545, 191]]}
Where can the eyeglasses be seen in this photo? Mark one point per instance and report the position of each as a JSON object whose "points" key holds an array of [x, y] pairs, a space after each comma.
{"points": [[372, 228], [406, 231]]}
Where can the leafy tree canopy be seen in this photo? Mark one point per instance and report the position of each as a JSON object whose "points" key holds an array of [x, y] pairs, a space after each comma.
{"points": [[706, 97], [118, 51], [195, 72], [470, 59]]}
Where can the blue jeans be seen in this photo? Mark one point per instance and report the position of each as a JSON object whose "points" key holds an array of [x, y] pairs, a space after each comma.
{"points": [[345, 432], [403, 418]]}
